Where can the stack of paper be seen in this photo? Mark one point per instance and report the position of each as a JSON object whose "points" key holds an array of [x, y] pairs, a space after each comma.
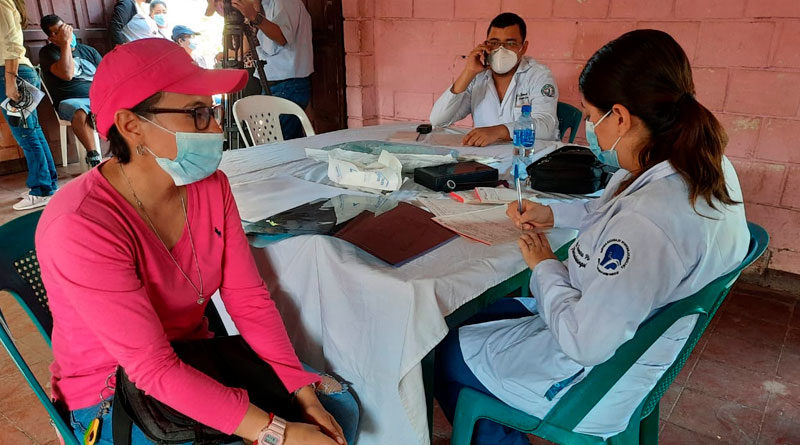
{"points": [[490, 226]]}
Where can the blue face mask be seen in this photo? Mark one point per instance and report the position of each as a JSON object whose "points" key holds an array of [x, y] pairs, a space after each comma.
{"points": [[74, 42], [608, 157], [161, 20], [192, 45], [199, 155]]}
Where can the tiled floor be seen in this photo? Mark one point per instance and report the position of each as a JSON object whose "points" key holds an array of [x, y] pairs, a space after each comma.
{"points": [[741, 385]]}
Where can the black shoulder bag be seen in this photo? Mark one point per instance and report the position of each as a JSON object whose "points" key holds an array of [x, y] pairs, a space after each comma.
{"points": [[571, 169], [228, 360]]}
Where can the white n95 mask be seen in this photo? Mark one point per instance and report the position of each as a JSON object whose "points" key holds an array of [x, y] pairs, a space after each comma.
{"points": [[503, 60]]}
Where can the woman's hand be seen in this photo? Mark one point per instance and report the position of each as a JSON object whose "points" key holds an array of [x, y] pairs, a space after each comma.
{"points": [[305, 434], [535, 248], [315, 413], [533, 216], [11, 88], [246, 8]]}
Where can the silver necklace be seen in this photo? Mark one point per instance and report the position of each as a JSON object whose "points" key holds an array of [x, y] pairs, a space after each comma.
{"points": [[200, 298]]}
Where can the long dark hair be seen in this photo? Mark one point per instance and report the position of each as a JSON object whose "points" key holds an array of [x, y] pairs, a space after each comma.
{"points": [[23, 13], [647, 72]]}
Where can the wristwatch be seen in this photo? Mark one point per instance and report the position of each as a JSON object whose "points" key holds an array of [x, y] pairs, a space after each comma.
{"points": [[273, 433], [258, 20]]}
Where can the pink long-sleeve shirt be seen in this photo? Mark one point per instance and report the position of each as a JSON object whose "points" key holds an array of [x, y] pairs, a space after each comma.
{"points": [[118, 298]]}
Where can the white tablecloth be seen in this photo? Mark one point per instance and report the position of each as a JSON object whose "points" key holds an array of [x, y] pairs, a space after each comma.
{"points": [[354, 315]]}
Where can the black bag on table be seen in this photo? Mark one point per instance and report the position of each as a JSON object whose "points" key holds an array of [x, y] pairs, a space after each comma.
{"points": [[228, 360], [571, 169]]}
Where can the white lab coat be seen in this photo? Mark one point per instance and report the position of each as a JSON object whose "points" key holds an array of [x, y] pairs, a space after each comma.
{"points": [[481, 99], [634, 253]]}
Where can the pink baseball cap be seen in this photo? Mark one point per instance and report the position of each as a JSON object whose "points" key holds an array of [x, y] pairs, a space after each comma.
{"points": [[132, 72]]}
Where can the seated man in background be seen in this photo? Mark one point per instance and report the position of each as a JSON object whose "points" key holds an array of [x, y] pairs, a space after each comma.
{"points": [[184, 36], [497, 80], [68, 70]]}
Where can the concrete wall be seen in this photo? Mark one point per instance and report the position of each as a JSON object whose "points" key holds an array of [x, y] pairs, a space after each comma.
{"points": [[402, 54]]}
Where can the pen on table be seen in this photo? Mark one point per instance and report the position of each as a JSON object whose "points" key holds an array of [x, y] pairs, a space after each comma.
{"points": [[519, 189]]}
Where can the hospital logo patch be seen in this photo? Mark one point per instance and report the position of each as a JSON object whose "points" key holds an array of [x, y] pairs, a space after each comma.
{"points": [[613, 258], [548, 90]]}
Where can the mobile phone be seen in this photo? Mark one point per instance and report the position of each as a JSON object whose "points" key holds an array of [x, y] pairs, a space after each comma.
{"points": [[485, 59]]}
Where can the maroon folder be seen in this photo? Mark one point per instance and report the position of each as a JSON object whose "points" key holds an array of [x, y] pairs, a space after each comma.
{"points": [[396, 236]]}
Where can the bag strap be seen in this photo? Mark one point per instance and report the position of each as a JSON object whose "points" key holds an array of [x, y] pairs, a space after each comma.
{"points": [[121, 424]]}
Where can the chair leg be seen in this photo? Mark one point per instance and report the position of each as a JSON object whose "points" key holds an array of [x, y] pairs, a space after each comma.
{"points": [[81, 150], [648, 429], [62, 132]]}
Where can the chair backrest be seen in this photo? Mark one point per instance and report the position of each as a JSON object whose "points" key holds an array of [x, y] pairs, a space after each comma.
{"points": [[260, 116], [38, 69], [569, 118], [579, 400], [19, 270]]}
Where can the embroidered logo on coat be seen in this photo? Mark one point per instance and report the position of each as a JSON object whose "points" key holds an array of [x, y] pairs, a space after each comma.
{"points": [[548, 90], [613, 258]]}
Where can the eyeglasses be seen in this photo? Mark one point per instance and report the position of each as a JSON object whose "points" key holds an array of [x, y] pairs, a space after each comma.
{"points": [[202, 115], [494, 44]]}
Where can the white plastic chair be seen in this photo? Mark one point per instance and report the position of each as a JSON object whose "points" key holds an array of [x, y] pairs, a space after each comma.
{"points": [[62, 129], [260, 115]]}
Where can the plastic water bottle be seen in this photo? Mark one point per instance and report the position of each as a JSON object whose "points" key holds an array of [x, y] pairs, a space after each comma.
{"points": [[524, 137]]}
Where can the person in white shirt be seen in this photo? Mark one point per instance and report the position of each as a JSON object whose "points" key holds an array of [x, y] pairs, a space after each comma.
{"points": [[131, 21], [284, 37], [184, 36], [670, 221], [497, 80], [158, 12]]}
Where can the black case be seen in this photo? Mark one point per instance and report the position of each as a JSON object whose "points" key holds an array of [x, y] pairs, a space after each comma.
{"points": [[570, 169], [458, 176]]}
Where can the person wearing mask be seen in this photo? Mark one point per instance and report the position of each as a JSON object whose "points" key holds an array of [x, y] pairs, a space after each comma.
{"points": [[131, 21], [166, 236], [284, 36], [69, 68], [42, 179], [184, 36], [158, 12], [498, 78], [630, 258]]}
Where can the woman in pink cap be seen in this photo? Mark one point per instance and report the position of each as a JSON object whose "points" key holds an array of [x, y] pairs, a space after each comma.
{"points": [[132, 251]]}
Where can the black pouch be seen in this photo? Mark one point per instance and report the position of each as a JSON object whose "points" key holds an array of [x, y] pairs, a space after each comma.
{"points": [[228, 360], [458, 176], [570, 169]]}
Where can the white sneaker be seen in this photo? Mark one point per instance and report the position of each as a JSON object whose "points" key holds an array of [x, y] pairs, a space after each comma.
{"points": [[24, 194], [31, 202]]}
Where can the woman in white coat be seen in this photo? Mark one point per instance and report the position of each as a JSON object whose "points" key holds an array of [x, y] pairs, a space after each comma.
{"points": [[669, 222]]}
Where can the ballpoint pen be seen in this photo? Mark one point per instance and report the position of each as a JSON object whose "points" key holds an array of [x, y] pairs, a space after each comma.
{"points": [[519, 188]]}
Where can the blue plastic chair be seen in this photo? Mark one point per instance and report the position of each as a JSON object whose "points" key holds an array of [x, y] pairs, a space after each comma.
{"points": [[559, 423], [19, 276], [569, 118]]}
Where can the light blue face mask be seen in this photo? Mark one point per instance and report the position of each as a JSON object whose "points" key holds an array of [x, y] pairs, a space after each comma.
{"points": [[608, 157], [199, 155], [161, 19], [74, 42], [192, 45]]}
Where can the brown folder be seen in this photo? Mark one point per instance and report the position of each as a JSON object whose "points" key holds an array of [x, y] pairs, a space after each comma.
{"points": [[396, 236]]}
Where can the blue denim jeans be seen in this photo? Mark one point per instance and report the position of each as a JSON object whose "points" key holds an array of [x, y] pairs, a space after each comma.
{"points": [[299, 92], [452, 374], [342, 406], [42, 175]]}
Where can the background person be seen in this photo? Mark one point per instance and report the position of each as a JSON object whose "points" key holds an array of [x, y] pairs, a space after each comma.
{"points": [[630, 258], [42, 176], [131, 21], [69, 68], [158, 12], [498, 78], [166, 235], [184, 36], [284, 36]]}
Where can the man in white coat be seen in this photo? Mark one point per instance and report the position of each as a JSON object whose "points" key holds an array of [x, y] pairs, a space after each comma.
{"points": [[497, 80]]}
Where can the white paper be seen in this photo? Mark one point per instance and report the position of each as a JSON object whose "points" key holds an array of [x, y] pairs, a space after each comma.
{"points": [[409, 161], [346, 168], [447, 206], [499, 195], [490, 226]]}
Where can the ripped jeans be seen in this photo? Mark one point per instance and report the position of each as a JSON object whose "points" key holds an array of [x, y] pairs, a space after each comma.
{"points": [[339, 402]]}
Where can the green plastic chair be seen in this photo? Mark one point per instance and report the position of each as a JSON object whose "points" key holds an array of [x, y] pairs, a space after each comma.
{"points": [[558, 424], [569, 118], [19, 276]]}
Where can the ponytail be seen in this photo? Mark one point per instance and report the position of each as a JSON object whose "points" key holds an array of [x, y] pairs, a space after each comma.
{"points": [[23, 13], [694, 144]]}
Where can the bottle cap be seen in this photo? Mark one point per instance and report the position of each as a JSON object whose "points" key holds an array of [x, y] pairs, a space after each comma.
{"points": [[526, 108]]}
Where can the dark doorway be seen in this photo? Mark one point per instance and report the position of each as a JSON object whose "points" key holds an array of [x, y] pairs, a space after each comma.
{"points": [[328, 103]]}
